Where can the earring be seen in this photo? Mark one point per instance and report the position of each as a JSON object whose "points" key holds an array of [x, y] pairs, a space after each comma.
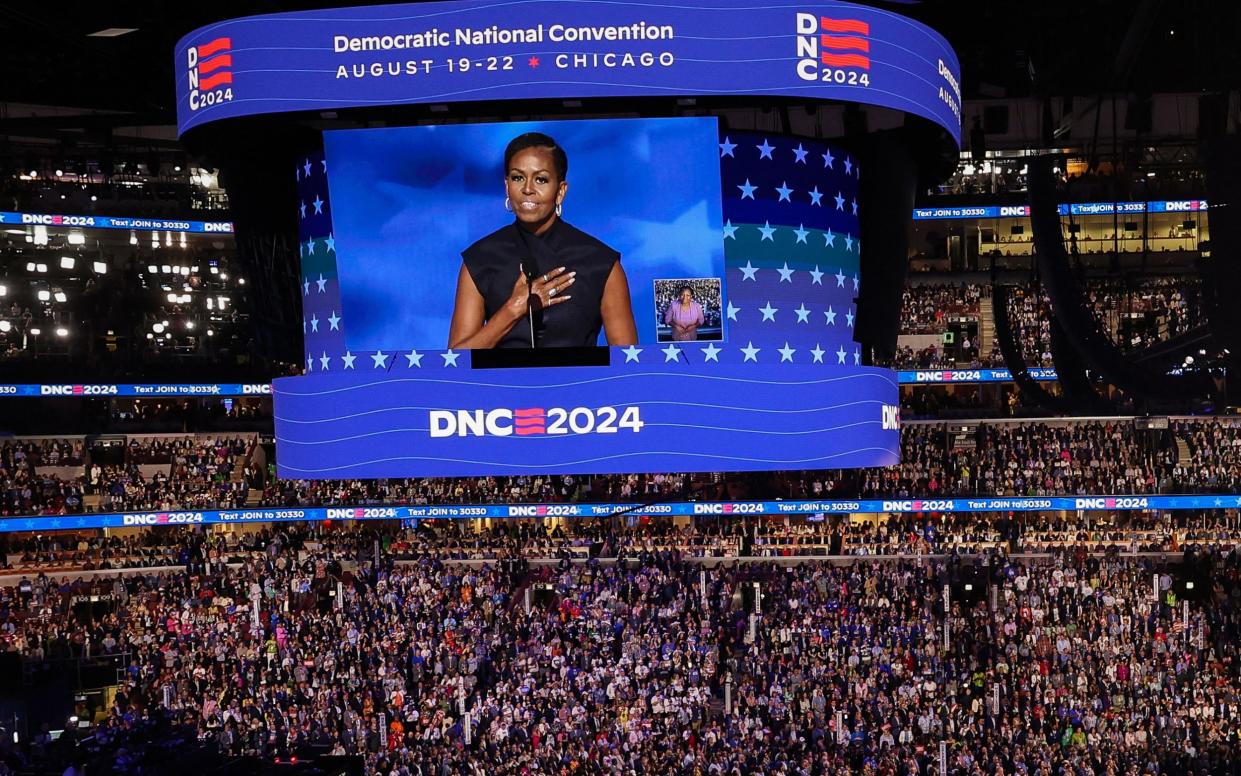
{"points": [[508, 204], [558, 209]]}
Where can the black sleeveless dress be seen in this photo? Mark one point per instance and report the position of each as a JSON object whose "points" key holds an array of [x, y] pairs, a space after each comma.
{"points": [[494, 263]]}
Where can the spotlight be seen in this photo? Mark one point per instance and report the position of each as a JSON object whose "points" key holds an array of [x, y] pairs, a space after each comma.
{"points": [[93, 198], [4, 290], [59, 296], [101, 268], [41, 267], [165, 269], [158, 328], [62, 332], [210, 333], [68, 262], [189, 325], [172, 299], [30, 266], [152, 269], [5, 326], [36, 332], [44, 296]]}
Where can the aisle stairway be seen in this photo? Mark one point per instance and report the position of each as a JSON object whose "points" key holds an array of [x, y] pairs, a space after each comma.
{"points": [[986, 326]]}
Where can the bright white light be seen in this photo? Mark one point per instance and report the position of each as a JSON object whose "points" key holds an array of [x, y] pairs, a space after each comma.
{"points": [[44, 296], [77, 238], [215, 270], [221, 301], [210, 303], [154, 239], [210, 333], [168, 239], [152, 269], [59, 296], [158, 328], [30, 265], [93, 198], [133, 238], [241, 281], [100, 267], [189, 325], [194, 269], [185, 271], [40, 234], [68, 262], [41, 267], [172, 299], [3, 289], [62, 332], [224, 276], [36, 332], [165, 324], [168, 336], [165, 269], [59, 173], [5, 326]]}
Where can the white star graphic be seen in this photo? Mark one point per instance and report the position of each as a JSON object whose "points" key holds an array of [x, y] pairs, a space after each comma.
{"points": [[324, 360], [671, 354], [855, 282], [318, 203], [840, 200], [801, 154], [748, 271], [801, 231], [786, 353], [764, 150], [450, 357], [751, 353], [333, 322], [857, 357], [817, 353], [816, 277], [831, 316], [310, 363], [849, 316], [786, 274], [330, 242], [768, 231], [828, 159], [803, 313], [380, 358], [306, 287], [855, 206], [314, 322], [726, 148], [848, 243], [348, 358], [829, 239], [711, 353], [840, 279], [631, 352], [414, 358], [321, 283], [747, 191], [840, 355], [769, 313], [732, 311], [815, 196], [302, 209], [784, 192], [310, 246], [848, 165], [306, 168], [730, 231]]}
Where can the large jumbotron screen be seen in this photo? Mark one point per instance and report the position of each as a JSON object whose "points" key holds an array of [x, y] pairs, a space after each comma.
{"points": [[731, 335]]}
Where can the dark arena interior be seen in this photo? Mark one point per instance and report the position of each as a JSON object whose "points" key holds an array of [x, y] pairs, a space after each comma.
{"points": [[503, 388]]}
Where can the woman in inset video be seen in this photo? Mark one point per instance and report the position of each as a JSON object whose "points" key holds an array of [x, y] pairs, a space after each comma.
{"points": [[684, 316], [573, 282]]}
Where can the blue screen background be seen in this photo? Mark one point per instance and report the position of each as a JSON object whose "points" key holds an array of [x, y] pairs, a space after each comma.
{"points": [[407, 200]]}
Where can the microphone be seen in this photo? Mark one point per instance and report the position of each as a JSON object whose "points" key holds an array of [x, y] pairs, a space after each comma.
{"points": [[530, 272]]}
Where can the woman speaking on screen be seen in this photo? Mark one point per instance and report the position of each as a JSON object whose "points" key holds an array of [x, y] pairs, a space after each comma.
{"points": [[539, 281]]}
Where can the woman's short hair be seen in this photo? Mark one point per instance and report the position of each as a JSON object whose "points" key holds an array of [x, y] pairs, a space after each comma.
{"points": [[683, 289], [538, 140]]}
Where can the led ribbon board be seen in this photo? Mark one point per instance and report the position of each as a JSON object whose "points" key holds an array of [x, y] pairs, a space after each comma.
{"points": [[478, 50], [458, 511]]}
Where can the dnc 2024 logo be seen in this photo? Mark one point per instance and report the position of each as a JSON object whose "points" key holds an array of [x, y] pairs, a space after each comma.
{"points": [[835, 51], [209, 68]]}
